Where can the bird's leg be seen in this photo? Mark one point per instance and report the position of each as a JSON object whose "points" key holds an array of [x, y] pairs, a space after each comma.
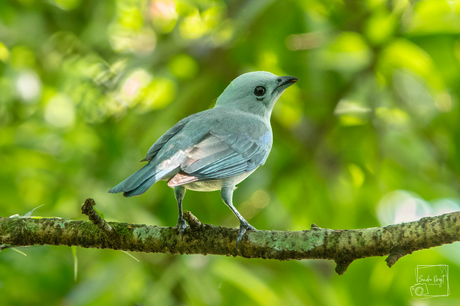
{"points": [[179, 193], [227, 195]]}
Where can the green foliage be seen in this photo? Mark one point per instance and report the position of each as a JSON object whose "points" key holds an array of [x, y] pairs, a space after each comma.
{"points": [[368, 136]]}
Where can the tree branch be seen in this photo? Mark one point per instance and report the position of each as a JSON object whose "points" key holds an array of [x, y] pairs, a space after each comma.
{"points": [[342, 246]]}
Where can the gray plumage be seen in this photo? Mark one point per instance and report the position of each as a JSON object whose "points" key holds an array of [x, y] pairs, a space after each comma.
{"points": [[215, 149]]}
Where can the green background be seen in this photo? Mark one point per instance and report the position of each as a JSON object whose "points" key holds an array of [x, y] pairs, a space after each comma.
{"points": [[368, 136]]}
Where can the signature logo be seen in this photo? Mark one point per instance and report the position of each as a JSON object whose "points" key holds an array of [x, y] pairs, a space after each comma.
{"points": [[432, 281]]}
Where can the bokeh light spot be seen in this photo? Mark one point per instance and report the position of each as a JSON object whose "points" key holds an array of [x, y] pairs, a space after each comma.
{"points": [[60, 111], [193, 26], [29, 86], [4, 53], [183, 66], [163, 14], [159, 93], [402, 206], [131, 89]]}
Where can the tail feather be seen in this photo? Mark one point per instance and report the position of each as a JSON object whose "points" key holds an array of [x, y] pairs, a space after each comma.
{"points": [[134, 179], [141, 188], [140, 181]]}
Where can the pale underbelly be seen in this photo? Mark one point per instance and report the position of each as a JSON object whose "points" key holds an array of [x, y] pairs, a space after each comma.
{"points": [[212, 185]]}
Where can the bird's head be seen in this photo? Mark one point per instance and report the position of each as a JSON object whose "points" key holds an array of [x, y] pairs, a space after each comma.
{"points": [[255, 92]]}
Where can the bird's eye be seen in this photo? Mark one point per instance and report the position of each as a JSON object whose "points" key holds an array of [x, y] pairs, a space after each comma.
{"points": [[259, 91]]}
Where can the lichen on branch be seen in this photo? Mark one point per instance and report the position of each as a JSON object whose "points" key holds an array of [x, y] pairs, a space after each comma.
{"points": [[342, 246]]}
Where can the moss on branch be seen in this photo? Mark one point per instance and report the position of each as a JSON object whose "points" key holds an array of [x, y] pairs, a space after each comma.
{"points": [[342, 246]]}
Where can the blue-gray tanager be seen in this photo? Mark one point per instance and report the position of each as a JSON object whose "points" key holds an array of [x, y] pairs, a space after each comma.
{"points": [[215, 149]]}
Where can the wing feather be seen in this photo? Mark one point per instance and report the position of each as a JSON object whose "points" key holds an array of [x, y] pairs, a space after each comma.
{"points": [[222, 156], [158, 145]]}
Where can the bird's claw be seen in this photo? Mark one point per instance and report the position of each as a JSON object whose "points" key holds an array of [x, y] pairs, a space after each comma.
{"points": [[181, 226], [244, 226]]}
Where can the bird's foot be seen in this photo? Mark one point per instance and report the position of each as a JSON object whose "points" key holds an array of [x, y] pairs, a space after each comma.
{"points": [[181, 225], [244, 226]]}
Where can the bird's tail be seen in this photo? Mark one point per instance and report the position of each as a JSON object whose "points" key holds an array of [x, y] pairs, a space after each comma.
{"points": [[140, 181]]}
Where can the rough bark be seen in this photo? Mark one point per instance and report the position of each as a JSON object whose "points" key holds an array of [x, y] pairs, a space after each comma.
{"points": [[342, 246]]}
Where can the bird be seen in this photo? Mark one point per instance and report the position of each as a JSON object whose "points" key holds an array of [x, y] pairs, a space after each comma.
{"points": [[215, 149]]}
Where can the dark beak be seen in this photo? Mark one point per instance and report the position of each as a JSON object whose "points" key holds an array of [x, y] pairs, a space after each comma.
{"points": [[285, 81]]}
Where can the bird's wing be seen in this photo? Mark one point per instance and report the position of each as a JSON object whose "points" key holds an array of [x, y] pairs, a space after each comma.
{"points": [[165, 138], [219, 156]]}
